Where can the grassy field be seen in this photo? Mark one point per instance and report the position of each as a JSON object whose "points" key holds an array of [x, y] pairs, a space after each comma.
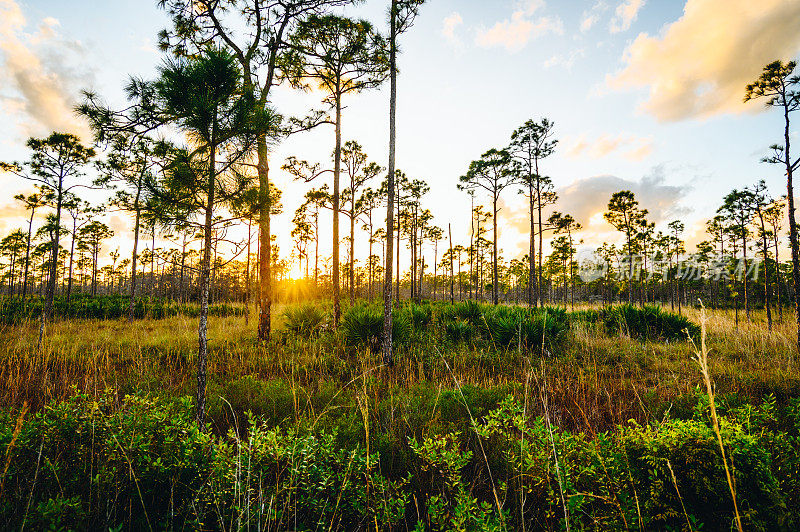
{"points": [[463, 433]]}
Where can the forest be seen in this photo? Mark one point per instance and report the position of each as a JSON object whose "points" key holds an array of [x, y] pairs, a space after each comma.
{"points": [[379, 374]]}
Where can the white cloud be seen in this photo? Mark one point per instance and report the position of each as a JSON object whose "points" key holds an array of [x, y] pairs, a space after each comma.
{"points": [[589, 20], [514, 33], [630, 147], [699, 65], [625, 14], [642, 152], [592, 16], [451, 23], [586, 198], [37, 83], [566, 61]]}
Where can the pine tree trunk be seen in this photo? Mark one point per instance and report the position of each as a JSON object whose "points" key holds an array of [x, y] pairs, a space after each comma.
{"points": [[452, 281], [352, 249], [767, 287], [495, 292], [136, 227], [265, 246], [205, 281], [792, 223], [386, 340], [50, 294], [27, 256], [532, 299], [778, 280], [71, 257], [337, 163], [247, 275]]}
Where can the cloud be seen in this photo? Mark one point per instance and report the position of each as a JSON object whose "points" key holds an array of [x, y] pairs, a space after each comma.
{"points": [[119, 224], [632, 147], [699, 65], [514, 33], [625, 14], [587, 199], [589, 20], [565, 61], [13, 216], [640, 153], [37, 83], [592, 16], [449, 28]]}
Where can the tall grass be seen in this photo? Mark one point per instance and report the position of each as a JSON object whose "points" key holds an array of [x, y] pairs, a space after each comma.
{"points": [[622, 415], [701, 355]]}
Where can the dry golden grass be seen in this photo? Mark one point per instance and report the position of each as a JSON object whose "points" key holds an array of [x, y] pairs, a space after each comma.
{"points": [[597, 380]]}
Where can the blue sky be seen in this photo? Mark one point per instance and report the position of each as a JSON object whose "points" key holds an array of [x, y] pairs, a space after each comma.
{"points": [[645, 95]]}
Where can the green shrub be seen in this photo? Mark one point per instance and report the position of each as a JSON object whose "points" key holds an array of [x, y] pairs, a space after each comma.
{"points": [[458, 331], [105, 307], [527, 329], [470, 311], [90, 465], [304, 321], [271, 400], [648, 323], [362, 326], [419, 316], [140, 462], [590, 316]]}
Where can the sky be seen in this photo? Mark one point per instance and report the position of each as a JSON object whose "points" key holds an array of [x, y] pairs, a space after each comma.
{"points": [[646, 95]]}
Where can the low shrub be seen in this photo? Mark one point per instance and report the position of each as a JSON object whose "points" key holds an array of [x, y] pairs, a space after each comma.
{"points": [[362, 326], [469, 311], [590, 316], [458, 331], [304, 321], [106, 307], [419, 316], [648, 323], [531, 330], [472, 459], [143, 464]]}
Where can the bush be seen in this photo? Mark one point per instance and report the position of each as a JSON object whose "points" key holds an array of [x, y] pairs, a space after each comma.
{"points": [[470, 311], [140, 462], [271, 400], [585, 316], [304, 321], [648, 323], [419, 316], [458, 331], [531, 330], [362, 326], [629, 474], [87, 465], [106, 307]]}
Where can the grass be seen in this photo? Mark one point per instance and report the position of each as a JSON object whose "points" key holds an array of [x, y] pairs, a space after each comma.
{"points": [[597, 378], [590, 385]]}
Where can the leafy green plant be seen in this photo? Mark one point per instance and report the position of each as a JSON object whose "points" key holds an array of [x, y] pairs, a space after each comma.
{"points": [[470, 311], [419, 316], [105, 307], [648, 323], [363, 326], [304, 321], [458, 331], [450, 505], [525, 329]]}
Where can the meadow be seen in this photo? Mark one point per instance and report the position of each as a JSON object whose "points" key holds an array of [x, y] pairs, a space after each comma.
{"points": [[492, 418]]}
